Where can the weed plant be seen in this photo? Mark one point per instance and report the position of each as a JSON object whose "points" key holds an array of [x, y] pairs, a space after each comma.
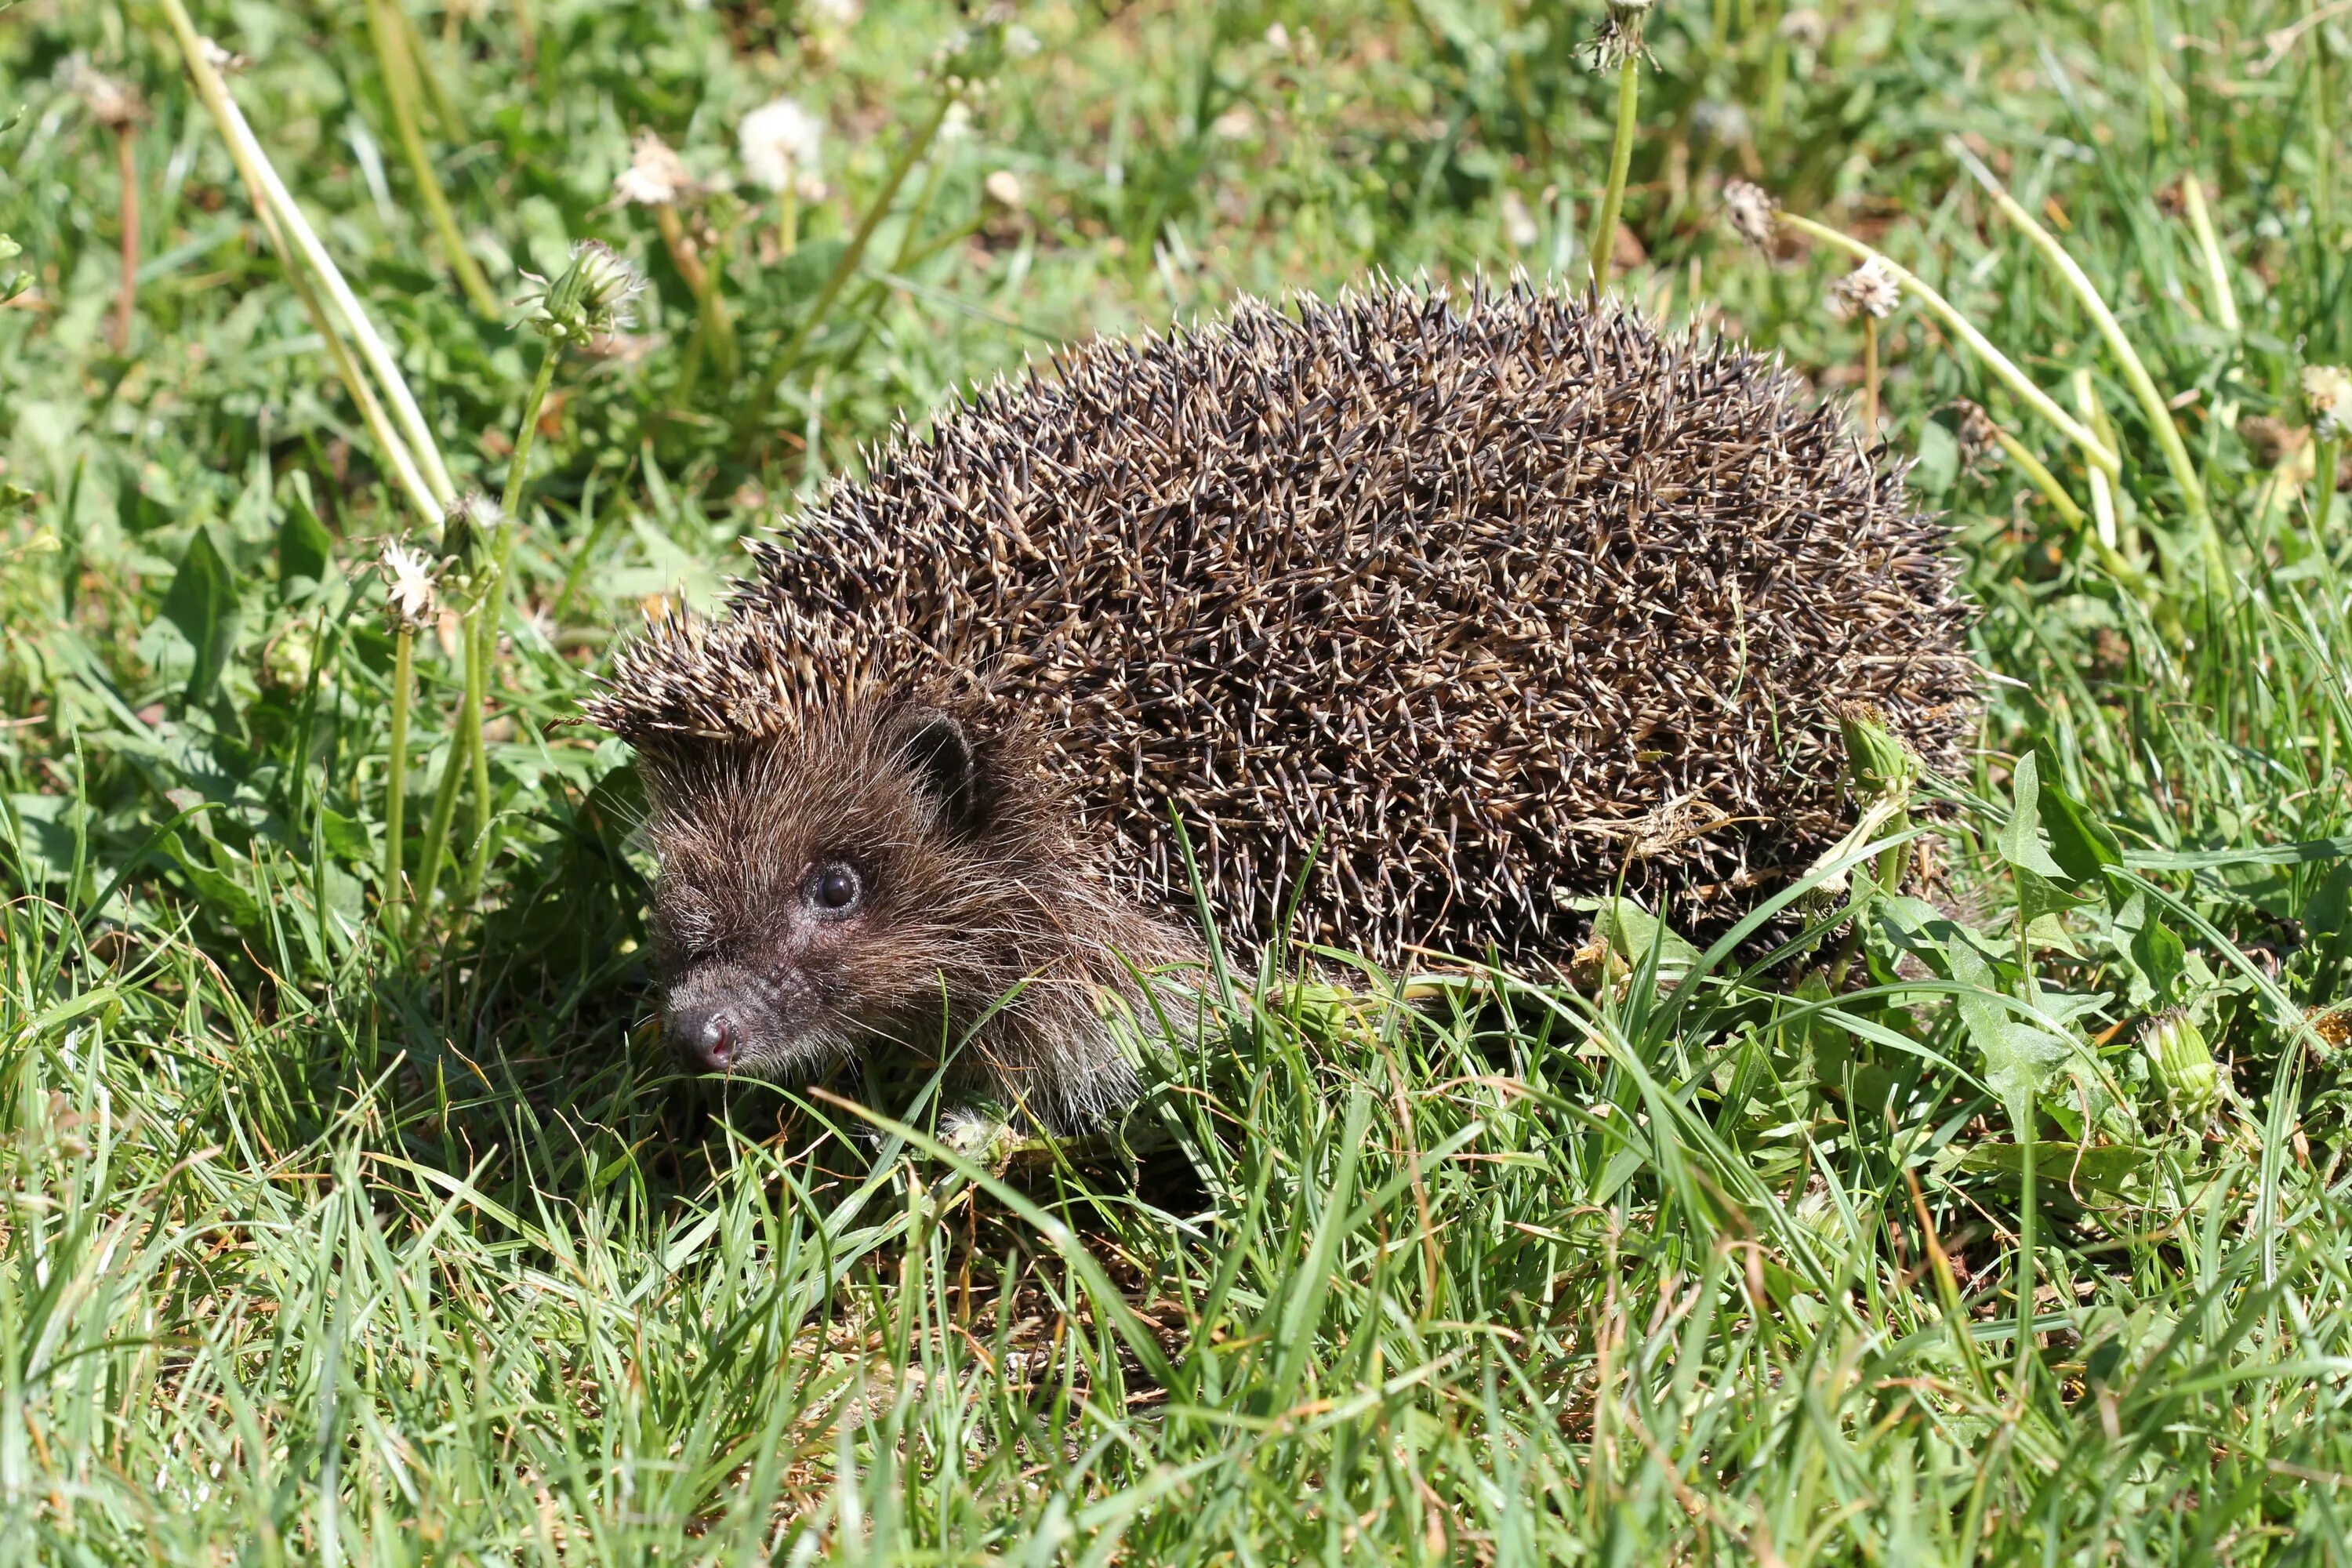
{"points": [[351, 1209]]}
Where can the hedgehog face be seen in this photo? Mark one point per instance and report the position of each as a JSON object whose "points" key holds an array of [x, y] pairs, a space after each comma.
{"points": [[823, 892]]}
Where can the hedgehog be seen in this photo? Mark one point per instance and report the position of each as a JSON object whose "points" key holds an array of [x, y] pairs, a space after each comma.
{"points": [[1398, 625]]}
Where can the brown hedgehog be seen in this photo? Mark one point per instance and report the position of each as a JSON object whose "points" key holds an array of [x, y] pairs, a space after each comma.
{"points": [[1424, 615]]}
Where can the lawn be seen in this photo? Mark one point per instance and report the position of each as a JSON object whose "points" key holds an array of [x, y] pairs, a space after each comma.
{"points": [[351, 1208]]}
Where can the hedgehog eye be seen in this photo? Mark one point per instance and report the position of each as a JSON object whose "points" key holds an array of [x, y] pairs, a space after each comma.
{"points": [[834, 888]]}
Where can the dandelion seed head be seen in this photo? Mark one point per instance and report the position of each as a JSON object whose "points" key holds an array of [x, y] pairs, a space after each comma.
{"points": [[1725, 124], [1805, 27], [780, 141], [2327, 398], [1519, 223], [656, 176], [1870, 289], [1750, 210], [111, 102]]}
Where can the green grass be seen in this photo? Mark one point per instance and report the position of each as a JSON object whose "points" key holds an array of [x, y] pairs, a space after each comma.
{"points": [[327, 1239]]}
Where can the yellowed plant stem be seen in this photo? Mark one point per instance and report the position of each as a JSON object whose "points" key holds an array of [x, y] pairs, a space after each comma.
{"points": [[2002, 366]]}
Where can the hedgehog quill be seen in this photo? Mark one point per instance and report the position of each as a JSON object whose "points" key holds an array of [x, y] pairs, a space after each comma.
{"points": [[1425, 614]]}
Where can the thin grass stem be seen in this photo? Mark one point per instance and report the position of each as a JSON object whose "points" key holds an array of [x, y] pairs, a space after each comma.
{"points": [[254, 165], [2003, 368], [2209, 248], [788, 358], [2143, 385], [390, 37]]}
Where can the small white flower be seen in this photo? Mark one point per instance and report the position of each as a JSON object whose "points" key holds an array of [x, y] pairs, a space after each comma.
{"points": [[1277, 38], [780, 142], [840, 16], [1751, 209], [1020, 43], [408, 585], [2328, 398], [1726, 124], [1519, 223], [656, 176], [1236, 124], [1004, 188], [112, 102], [1870, 289], [957, 123], [1805, 27]]}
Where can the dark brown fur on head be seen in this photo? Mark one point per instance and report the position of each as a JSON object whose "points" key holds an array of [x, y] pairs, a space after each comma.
{"points": [[886, 875]]}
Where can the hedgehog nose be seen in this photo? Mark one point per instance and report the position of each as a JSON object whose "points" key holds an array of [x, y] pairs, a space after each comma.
{"points": [[706, 1037]]}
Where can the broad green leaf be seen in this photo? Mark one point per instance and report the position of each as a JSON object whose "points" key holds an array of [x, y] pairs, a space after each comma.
{"points": [[304, 546], [2019, 1059], [2020, 839], [202, 603], [345, 839], [2038, 896], [2078, 840], [1631, 932]]}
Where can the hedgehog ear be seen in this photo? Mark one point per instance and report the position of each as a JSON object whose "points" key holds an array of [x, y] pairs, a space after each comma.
{"points": [[939, 750]]}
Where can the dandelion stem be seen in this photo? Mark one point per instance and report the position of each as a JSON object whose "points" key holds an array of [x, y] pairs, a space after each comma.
{"points": [[1621, 161], [400, 87], [1869, 374], [788, 220], [395, 784], [489, 611], [126, 300], [715, 329], [481, 647], [2041, 479], [436, 831], [2322, 144], [2143, 385], [406, 442], [2323, 495], [2002, 367]]}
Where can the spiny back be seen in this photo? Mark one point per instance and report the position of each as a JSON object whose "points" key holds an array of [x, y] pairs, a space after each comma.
{"points": [[1483, 601]]}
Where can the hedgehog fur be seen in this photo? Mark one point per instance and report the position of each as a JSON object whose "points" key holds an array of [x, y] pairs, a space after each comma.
{"points": [[1481, 602]]}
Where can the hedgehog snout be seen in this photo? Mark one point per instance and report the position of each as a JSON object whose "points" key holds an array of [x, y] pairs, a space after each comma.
{"points": [[724, 1018]]}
